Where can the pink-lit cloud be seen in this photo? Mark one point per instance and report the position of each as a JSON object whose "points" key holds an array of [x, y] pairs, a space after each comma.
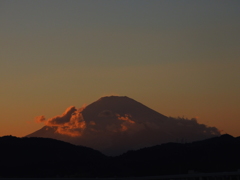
{"points": [[40, 119]]}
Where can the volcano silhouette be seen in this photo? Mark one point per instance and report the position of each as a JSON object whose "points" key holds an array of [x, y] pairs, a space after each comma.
{"points": [[116, 124]]}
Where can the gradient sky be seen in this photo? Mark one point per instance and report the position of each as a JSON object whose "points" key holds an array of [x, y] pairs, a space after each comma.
{"points": [[178, 57]]}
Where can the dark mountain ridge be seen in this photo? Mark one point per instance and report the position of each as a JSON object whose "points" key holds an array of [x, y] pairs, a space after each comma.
{"points": [[44, 157]]}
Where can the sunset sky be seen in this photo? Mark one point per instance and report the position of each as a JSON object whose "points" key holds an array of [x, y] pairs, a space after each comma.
{"points": [[178, 57]]}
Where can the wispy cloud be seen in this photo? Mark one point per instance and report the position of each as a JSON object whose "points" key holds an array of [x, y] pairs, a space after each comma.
{"points": [[39, 119]]}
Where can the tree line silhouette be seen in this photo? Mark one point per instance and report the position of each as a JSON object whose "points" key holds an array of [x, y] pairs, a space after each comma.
{"points": [[45, 157]]}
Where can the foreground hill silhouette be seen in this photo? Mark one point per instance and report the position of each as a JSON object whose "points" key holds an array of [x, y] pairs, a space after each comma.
{"points": [[116, 124], [43, 157], [219, 154]]}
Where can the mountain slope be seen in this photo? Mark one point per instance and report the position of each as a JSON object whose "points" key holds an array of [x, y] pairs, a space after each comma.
{"points": [[121, 105]]}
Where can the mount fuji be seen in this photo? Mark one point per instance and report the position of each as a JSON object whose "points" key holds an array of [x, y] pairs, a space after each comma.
{"points": [[116, 124]]}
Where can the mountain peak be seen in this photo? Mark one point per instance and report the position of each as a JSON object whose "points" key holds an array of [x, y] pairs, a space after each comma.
{"points": [[114, 98], [121, 105]]}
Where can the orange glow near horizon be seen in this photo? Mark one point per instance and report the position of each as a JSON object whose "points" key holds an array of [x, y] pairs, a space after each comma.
{"points": [[180, 59]]}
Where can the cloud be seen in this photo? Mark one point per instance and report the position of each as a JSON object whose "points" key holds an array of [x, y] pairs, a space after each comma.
{"points": [[126, 122], [125, 118], [40, 119], [62, 119], [70, 123]]}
